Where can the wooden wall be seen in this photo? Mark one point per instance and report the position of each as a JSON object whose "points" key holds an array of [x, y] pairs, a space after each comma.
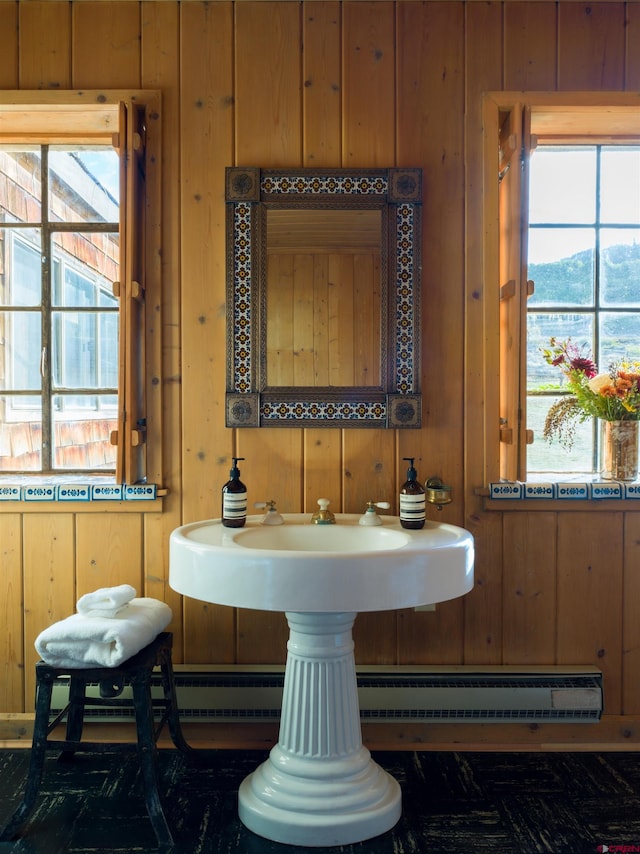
{"points": [[327, 83]]}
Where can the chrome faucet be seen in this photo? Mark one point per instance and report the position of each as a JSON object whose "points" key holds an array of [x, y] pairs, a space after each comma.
{"points": [[323, 516]]}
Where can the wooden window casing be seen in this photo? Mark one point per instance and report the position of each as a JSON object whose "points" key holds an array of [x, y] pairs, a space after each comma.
{"points": [[519, 121], [123, 120]]}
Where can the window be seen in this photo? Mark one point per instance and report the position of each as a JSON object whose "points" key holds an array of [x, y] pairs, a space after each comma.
{"points": [[584, 258], [73, 229], [568, 256]]}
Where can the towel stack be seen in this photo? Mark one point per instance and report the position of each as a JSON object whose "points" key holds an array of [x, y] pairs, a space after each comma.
{"points": [[106, 602], [111, 625]]}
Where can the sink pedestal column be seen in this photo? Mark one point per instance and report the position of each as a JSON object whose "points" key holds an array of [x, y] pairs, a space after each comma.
{"points": [[319, 786]]}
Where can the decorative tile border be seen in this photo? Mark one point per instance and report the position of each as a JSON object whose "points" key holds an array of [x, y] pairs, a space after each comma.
{"points": [[242, 314], [84, 492], [74, 492], [107, 492], [9, 493], [539, 490], [506, 490], [39, 493], [405, 299], [595, 491], [572, 491], [140, 492], [327, 410], [614, 489]]}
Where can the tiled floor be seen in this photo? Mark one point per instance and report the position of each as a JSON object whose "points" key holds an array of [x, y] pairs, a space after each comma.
{"points": [[453, 803]]}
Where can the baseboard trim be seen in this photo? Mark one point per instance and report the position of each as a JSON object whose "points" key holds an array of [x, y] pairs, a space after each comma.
{"points": [[611, 733]]}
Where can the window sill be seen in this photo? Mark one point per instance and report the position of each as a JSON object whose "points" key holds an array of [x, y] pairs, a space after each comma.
{"points": [[568, 494], [40, 492]]}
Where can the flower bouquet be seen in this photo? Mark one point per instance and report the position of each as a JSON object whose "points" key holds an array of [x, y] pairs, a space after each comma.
{"points": [[612, 396]]}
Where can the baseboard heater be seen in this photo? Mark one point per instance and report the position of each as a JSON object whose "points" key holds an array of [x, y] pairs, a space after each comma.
{"points": [[386, 694]]}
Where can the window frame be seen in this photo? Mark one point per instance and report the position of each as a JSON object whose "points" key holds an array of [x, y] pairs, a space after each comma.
{"points": [[130, 120], [519, 120]]}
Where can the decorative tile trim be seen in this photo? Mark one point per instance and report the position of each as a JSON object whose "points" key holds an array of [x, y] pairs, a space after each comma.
{"points": [[405, 298], [107, 492], [606, 490], [539, 490], [569, 491], [10, 493], [140, 492], [330, 184], [242, 311], [74, 492], [83, 492], [39, 493], [506, 490], [327, 410], [574, 491]]}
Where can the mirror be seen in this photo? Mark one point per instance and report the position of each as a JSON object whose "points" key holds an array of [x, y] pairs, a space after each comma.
{"points": [[323, 288]]}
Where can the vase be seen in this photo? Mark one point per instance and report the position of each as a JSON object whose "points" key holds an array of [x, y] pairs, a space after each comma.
{"points": [[619, 450]]}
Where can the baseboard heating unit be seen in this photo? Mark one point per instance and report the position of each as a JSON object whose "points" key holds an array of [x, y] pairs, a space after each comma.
{"points": [[387, 694]]}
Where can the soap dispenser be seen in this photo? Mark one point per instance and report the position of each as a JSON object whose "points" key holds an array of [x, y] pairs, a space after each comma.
{"points": [[234, 498], [412, 500]]}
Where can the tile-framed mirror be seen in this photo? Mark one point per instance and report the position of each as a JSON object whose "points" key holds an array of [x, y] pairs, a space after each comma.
{"points": [[323, 297]]}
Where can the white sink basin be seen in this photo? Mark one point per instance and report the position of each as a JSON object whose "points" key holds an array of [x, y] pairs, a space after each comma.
{"points": [[320, 787], [298, 566], [321, 538]]}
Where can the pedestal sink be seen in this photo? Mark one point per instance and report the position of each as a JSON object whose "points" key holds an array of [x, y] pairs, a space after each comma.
{"points": [[320, 786]]}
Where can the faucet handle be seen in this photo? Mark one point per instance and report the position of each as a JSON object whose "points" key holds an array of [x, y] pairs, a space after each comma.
{"points": [[260, 505], [323, 516], [370, 516], [271, 517]]}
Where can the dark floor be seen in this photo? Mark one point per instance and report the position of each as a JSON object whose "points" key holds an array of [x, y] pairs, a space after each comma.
{"points": [[453, 803]]}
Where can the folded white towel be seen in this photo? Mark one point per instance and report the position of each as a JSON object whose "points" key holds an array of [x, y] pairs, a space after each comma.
{"points": [[79, 641], [105, 602]]}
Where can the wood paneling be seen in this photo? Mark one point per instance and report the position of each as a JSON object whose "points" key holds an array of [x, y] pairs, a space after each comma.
{"points": [[9, 45], [105, 50], [280, 84], [268, 84], [591, 39], [206, 98], [483, 606], [49, 582], [632, 48], [369, 137], [430, 74], [530, 46], [368, 57], [108, 552], [529, 588], [11, 614], [630, 622], [322, 94], [590, 573], [161, 70], [45, 40]]}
